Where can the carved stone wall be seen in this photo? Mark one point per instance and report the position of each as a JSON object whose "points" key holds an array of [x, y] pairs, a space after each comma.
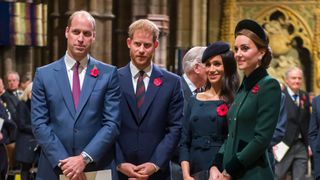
{"points": [[293, 30]]}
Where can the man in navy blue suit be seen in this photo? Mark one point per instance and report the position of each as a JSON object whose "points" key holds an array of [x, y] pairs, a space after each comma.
{"points": [[151, 108], [75, 107], [314, 136]]}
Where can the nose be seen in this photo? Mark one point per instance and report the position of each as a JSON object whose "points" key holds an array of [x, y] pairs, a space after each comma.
{"points": [[141, 49], [212, 68], [237, 53], [80, 37]]}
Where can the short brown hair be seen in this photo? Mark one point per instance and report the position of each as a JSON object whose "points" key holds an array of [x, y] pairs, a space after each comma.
{"points": [[146, 25]]}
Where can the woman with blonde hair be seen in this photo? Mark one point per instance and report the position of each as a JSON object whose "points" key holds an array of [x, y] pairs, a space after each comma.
{"points": [[26, 145]]}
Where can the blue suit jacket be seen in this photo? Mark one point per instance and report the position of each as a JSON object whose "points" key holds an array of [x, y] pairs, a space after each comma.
{"points": [[152, 135], [63, 131], [281, 124], [314, 135]]}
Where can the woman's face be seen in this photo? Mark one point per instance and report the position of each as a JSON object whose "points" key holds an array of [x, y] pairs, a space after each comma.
{"points": [[215, 70], [247, 54]]}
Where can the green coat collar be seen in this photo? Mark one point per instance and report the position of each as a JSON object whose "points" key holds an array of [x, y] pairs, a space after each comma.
{"points": [[254, 77]]}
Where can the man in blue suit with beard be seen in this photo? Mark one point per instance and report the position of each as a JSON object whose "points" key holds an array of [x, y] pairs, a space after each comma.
{"points": [[75, 107], [151, 108]]}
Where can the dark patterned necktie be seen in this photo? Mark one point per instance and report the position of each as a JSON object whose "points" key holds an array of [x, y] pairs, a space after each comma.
{"points": [[140, 91], [196, 91], [76, 85]]}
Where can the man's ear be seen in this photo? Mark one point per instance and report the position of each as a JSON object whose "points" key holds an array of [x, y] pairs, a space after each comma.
{"points": [[156, 44], [196, 68], [94, 36], [66, 32], [129, 41]]}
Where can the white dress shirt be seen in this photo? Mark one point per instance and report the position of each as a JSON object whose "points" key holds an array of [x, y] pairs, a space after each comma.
{"points": [[70, 62], [135, 75], [291, 93], [191, 86]]}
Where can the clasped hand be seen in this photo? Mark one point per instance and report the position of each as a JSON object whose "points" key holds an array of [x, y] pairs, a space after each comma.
{"points": [[72, 167], [215, 174], [140, 172]]}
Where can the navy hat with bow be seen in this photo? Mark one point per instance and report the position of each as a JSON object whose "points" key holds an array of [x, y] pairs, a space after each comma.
{"points": [[214, 49], [252, 26]]}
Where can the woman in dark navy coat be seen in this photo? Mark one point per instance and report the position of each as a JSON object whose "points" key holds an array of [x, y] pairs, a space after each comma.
{"points": [[26, 152], [205, 124]]}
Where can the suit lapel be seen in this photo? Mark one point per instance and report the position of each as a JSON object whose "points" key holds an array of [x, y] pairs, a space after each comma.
{"points": [[152, 90], [88, 85], [186, 90], [128, 91], [64, 85]]}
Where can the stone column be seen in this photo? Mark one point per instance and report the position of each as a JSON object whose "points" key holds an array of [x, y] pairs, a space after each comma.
{"points": [[228, 21], [162, 21], [316, 50], [199, 22], [156, 11], [183, 25], [102, 12], [214, 20], [54, 31]]}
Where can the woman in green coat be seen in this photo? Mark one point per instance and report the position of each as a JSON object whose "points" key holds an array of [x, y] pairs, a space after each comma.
{"points": [[253, 115]]}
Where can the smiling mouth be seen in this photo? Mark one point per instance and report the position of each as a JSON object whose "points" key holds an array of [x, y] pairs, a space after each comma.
{"points": [[213, 75]]}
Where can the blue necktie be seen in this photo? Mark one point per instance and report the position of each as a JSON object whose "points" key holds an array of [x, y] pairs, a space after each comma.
{"points": [[295, 97]]}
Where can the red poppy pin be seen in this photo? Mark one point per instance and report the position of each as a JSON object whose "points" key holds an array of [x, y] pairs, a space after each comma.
{"points": [[302, 100], [157, 81], [94, 71], [222, 110], [255, 89]]}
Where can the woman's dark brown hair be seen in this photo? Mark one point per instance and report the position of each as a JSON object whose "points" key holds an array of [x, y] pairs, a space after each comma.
{"points": [[261, 45], [230, 79]]}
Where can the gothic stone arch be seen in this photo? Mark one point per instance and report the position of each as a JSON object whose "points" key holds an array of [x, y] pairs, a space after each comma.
{"points": [[291, 40]]}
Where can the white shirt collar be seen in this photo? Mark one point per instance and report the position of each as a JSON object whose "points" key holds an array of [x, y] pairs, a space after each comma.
{"points": [[135, 71], [71, 61], [190, 84], [291, 93]]}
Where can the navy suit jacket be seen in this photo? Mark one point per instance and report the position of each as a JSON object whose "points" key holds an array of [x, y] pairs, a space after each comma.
{"points": [[61, 130], [186, 91], [25, 140], [298, 118], [314, 135], [152, 135]]}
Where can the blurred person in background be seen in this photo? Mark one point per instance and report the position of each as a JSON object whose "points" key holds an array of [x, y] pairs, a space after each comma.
{"points": [[192, 82], [13, 80], [26, 149], [297, 125]]}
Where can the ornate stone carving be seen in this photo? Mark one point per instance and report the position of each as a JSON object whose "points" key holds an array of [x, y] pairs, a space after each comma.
{"points": [[294, 31]]}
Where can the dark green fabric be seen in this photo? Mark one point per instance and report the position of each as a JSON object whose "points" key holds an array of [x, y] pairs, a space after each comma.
{"points": [[252, 119]]}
